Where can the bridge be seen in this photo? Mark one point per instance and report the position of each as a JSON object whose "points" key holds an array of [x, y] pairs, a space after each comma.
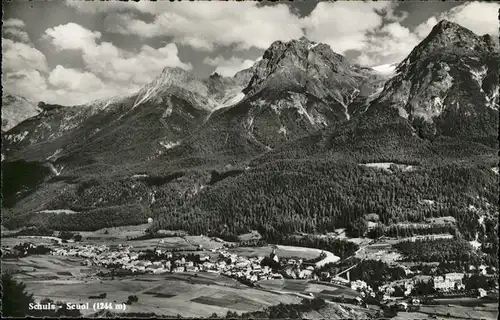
{"points": [[347, 271]]}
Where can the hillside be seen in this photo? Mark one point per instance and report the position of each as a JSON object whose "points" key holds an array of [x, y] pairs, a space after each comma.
{"points": [[281, 147], [15, 110]]}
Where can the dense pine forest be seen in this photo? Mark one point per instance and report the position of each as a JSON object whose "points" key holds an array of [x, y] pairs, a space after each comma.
{"points": [[438, 250], [281, 198]]}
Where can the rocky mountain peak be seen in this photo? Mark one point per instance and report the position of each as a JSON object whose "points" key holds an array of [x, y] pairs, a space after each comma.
{"points": [[215, 75], [175, 81], [287, 64], [446, 34], [175, 75], [16, 109], [451, 77], [451, 37]]}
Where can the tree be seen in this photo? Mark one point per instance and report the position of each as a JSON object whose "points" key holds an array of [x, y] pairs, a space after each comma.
{"points": [[15, 299], [376, 232], [357, 229], [423, 288], [77, 237], [65, 235], [399, 291]]}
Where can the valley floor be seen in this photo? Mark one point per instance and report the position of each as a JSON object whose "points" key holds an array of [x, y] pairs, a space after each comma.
{"points": [[230, 280]]}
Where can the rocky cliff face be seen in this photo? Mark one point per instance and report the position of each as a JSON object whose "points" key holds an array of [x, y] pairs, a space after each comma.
{"points": [[16, 109], [299, 101], [296, 88], [448, 85], [441, 102], [303, 66]]}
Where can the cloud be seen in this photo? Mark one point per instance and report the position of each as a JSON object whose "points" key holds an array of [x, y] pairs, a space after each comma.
{"points": [[17, 34], [479, 17], [113, 63], [20, 56], [13, 28], [27, 83], [14, 23], [74, 79], [343, 25], [216, 24], [393, 42], [65, 86], [228, 68], [109, 70], [371, 28], [72, 36], [111, 6], [75, 87], [389, 44]]}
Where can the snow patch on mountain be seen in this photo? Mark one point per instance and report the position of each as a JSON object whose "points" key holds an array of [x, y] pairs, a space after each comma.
{"points": [[17, 137], [232, 100], [138, 176], [283, 131], [169, 144], [299, 101], [16, 109], [386, 69], [478, 74], [312, 45], [175, 78], [54, 155], [54, 170], [102, 104], [169, 109], [492, 100], [346, 99], [59, 211], [249, 123], [403, 113]]}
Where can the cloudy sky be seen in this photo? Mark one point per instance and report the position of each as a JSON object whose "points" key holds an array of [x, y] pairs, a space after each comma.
{"points": [[74, 52]]}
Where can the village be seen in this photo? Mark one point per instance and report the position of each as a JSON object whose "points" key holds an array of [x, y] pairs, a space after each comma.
{"points": [[124, 260], [248, 270]]}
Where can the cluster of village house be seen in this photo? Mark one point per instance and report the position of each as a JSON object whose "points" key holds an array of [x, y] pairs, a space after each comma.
{"points": [[249, 269], [449, 282], [226, 263]]}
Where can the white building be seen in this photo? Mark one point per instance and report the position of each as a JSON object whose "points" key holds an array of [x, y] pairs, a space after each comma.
{"points": [[449, 282], [481, 292]]}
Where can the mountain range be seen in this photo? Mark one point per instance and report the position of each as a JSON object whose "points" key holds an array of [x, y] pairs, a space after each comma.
{"points": [[292, 143]]}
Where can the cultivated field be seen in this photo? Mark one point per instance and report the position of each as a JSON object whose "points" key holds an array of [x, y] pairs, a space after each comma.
{"points": [[308, 287], [49, 267], [116, 233], [381, 250], [338, 311], [281, 251], [190, 295], [253, 235], [11, 242], [489, 311], [180, 243]]}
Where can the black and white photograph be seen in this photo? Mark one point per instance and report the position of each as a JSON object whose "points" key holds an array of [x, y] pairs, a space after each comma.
{"points": [[250, 159]]}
